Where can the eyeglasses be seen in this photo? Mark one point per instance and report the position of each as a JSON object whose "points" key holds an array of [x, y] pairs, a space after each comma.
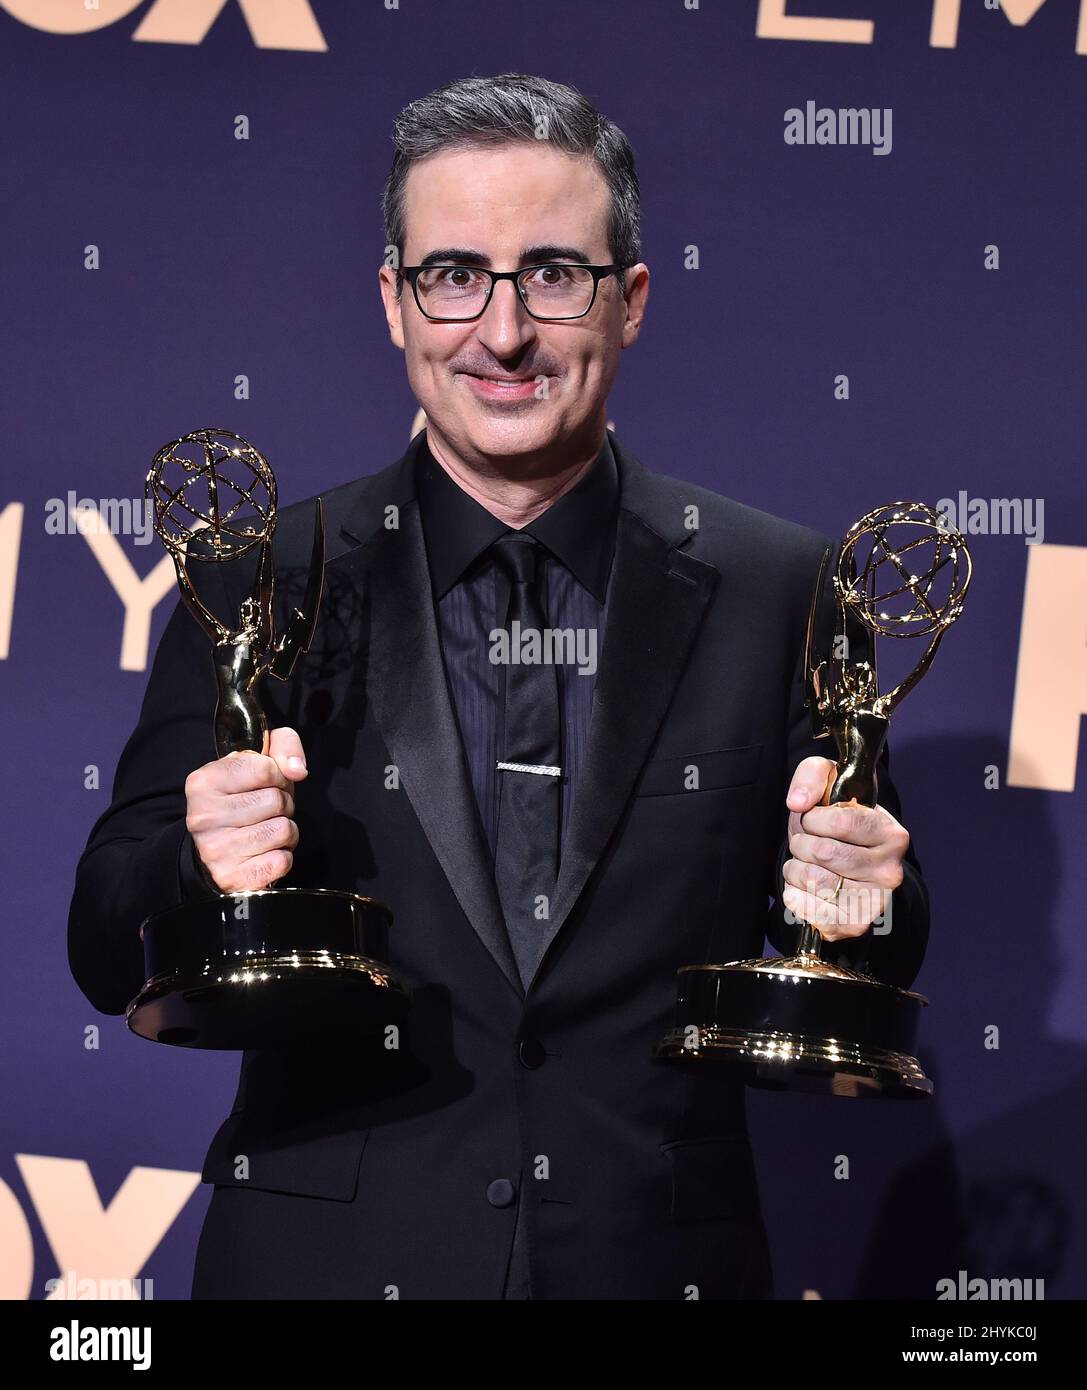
{"points": [[460, 293]]}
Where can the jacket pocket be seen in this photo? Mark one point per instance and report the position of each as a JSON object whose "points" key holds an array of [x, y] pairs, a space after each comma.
{"points": [[712, 1177], [723, 767], [309, 1163]]}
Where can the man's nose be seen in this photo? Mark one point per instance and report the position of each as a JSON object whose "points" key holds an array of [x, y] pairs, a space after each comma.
{"points": [[505, 325]]}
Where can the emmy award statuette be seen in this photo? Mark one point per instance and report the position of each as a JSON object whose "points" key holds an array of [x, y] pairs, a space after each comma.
{"points": [[278, 965], [801, 1023]]}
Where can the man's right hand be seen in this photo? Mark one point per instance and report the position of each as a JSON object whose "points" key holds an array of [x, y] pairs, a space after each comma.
{"points": [[239, 813]]}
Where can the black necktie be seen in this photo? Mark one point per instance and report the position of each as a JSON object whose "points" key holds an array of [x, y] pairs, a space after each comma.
{"points": [[529, 771]]}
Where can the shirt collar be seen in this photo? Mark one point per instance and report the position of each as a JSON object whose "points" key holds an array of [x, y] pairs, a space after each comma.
{"points": [[578, 529]]}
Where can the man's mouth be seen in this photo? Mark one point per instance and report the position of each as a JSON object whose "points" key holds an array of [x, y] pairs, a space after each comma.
{"points": [[503, 387], [504, 379]]}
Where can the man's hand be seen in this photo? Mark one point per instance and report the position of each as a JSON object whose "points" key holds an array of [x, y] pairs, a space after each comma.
{"points": [[238, 812], [865, 845]]}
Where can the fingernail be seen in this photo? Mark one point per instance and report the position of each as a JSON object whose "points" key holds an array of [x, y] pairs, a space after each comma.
{"points": [[296, 763]]}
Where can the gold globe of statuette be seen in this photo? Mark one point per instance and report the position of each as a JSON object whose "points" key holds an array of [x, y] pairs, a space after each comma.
{"points": [[888, 538], [201, 482]]}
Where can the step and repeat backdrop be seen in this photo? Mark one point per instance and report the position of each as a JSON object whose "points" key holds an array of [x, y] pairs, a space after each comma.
{"points": [[864, 223]]}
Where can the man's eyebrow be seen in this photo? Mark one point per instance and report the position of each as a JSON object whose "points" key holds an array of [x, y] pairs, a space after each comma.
{"points": [[455, 255], [531, 255]]}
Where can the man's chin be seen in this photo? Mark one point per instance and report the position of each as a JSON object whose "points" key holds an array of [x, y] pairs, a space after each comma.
{"points": [[504, 435]]}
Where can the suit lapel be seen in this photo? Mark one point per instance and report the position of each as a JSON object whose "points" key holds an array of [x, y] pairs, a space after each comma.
{"points": [[407, 691], [655, 607]]}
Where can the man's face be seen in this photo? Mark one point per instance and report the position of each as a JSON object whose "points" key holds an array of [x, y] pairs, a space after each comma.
{"points": [[513, 206]]}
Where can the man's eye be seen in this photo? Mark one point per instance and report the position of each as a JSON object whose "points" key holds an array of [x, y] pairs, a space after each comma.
{"points": [[553, 274], [463, 276]]}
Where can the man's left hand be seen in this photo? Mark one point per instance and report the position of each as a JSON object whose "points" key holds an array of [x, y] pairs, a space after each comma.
{"points": [[863, 844]]}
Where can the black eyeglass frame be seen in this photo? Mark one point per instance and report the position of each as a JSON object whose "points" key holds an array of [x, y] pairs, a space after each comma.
{"points": [[411, 273]]}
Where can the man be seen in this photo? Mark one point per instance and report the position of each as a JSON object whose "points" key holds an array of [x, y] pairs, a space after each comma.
{"points": [[555, 836]]}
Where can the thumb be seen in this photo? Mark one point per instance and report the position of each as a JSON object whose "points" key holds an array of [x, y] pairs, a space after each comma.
{"points": [[285, 747], [809, 784]]}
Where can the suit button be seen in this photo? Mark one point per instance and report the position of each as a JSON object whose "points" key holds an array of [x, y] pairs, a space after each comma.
{"points": [[531, 1053], [500, 1193]]}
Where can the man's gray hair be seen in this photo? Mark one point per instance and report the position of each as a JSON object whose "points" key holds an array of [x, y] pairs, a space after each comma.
{"points": [[481, 111]]}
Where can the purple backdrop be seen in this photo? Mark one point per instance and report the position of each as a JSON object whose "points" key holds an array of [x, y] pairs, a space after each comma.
{"points": [[221, 257]]}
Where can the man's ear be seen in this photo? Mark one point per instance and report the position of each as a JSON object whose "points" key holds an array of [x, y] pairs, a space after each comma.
{"points": [[393, 304], [636, 296]]}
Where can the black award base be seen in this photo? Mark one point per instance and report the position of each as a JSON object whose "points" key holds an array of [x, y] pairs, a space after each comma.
{"points": [[799, 1024], [266, 969]]}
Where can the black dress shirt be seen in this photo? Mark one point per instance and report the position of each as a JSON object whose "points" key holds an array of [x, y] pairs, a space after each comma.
{"points": [[471, 595]]}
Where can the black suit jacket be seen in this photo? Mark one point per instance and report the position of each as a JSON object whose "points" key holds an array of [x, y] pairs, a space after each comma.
{"points": [[371, 1172]]}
